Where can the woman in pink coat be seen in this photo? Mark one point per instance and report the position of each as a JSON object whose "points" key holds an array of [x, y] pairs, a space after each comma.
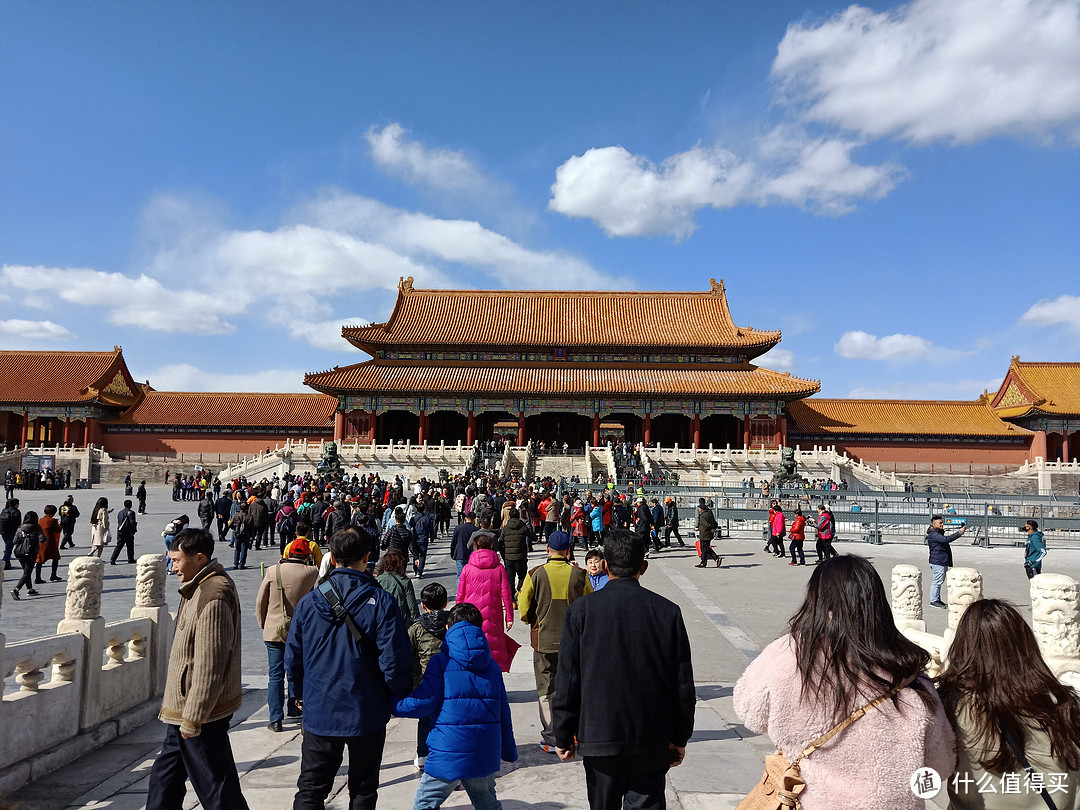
{"points": [[483, 582], [843, 652]]}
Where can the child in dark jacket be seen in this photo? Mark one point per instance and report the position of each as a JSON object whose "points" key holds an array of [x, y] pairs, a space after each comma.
{"points": [[463, 688], [426, 636]]}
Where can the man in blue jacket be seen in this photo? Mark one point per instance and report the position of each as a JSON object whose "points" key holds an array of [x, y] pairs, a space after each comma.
{"points": [[346, 686], [940, 556], [1034, 549]]}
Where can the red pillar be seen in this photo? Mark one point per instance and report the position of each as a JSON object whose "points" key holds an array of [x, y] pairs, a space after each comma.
{"points": [[423, 427], [521, 429], [746, 431], [67, 429], [779, 437], [90, 433], [1038, 445], [470, 435], [339, 425], [25, 429], [1065, 448], [596, 430], [372, 417], [697, 430], [647, 425]]}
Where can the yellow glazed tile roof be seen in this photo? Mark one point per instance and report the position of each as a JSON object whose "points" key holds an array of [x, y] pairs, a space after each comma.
{"points": [[505, 318], [898, 417]]}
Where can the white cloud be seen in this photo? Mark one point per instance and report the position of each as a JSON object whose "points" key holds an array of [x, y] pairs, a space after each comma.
{"points": [[325, 334], [441, 169], [1063, 310], [858, 345], [34, 330], [627, 195], [777, 359], [455, 241], [140, 301], [184, 377], [958, 71]]}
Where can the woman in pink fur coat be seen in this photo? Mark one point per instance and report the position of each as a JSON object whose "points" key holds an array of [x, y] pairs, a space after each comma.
{"points": [[484, 583], [844, 651]]}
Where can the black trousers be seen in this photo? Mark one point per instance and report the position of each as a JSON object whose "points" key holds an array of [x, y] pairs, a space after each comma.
{"points": [[626, 782], [206, 760], [121, 542], [670, 530], [319, 763]]}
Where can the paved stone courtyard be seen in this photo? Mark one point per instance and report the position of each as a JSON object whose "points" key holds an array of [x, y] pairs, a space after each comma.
{"points": [[730, 613]]}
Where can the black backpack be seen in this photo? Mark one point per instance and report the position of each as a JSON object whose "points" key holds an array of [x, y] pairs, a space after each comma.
{"points": [[9, 520]]}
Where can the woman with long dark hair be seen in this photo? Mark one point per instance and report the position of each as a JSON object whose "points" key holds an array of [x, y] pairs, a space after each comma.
{"points": [[843, 652], [100, 536], [997, 688]]}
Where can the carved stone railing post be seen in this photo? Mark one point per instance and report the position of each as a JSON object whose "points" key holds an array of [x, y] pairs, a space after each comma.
{"points": [[964, 586], [907, 601], [1055, 618], [82, 614], [3, 640], [150, 604]]}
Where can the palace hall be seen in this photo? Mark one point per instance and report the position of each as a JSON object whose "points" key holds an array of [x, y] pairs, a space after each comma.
{"points": [[666, 367], [557, 367]]}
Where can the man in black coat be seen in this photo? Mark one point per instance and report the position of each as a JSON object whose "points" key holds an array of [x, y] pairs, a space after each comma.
{"points": [[613, 641]]}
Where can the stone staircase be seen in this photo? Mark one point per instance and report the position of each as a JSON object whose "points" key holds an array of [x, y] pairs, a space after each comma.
{"points": [[557, 466], [410, 461]]}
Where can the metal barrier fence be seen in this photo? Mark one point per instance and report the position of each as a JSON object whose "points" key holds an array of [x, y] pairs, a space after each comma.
{"points": [[877, 526]]}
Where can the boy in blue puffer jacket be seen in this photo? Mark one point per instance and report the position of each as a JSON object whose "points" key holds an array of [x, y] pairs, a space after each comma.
{"points": [[463, 689]]}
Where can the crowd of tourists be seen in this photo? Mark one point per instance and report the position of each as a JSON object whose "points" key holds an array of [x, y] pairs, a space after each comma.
{"points": [[35, 479], [353, 639]]}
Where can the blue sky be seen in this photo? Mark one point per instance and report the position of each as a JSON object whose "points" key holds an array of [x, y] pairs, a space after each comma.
{"points": [[218, 187]]}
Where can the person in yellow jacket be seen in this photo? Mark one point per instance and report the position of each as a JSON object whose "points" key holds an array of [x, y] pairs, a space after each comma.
{"points": [[548, 591], [303, 529]]}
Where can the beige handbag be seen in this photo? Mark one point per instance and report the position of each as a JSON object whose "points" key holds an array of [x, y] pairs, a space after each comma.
{"points": [[782, 781]]}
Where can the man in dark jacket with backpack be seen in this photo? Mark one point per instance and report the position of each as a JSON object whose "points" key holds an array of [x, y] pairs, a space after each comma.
{"points": [[346, 686]]}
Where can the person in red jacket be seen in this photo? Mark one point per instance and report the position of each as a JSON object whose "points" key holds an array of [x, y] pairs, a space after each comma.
{"points": [[797, 534], [778, 525]]}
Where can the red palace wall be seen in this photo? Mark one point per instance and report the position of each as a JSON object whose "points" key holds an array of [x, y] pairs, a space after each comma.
{"points": [[930, 453], [205, 443]]}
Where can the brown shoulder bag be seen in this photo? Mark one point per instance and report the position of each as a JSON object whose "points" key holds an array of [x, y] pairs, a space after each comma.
{"points": [[782, 782]]}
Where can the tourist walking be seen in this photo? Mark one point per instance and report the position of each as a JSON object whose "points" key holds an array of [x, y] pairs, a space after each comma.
{"points": [[627, 743], [10, 520], [283, 586], [50, 545], [203, 686], [25, 546], [941, 558], [100, 534], [205, 512], [845, 653], [1007, 707], [390, 574], [797, 535], [826, 533], [69, 513], [516, 538], [671, 522], [548, 591], [706, 530], [484, 583], [463, 691], [777, 529], [140, 496], [1034, 549], [349, 644], [127, 524]]}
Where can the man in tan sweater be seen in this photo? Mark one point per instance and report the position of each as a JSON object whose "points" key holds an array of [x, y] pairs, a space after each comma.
{"points": [[202, 689]]}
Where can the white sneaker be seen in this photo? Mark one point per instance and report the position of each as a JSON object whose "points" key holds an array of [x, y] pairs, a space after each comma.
{"points": [[418, 763]]}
